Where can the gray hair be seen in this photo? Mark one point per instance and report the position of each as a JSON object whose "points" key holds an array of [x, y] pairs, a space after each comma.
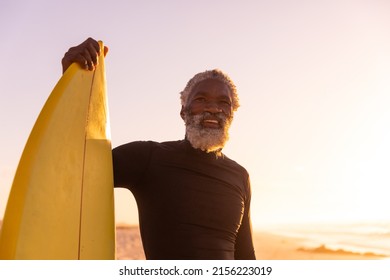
{"points": [[215, 74]]}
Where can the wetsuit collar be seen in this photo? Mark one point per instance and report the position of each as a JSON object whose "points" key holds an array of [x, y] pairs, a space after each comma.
{"points": [[217, 153]]}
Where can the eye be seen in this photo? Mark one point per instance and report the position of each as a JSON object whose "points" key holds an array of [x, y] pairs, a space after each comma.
{"points": [[226, 102], [200, 99]]}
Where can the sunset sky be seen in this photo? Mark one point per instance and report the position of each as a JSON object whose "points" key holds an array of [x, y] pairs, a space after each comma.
{"points": [[313, 129]]}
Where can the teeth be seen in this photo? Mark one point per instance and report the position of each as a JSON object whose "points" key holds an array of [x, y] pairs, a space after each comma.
{"points": [[212, 121]]}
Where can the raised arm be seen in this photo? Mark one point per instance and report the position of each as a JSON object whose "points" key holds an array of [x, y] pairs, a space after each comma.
{"points": [[86, 55]]}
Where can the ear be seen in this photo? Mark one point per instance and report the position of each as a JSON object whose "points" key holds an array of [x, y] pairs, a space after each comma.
{"points": [[182, 113]]}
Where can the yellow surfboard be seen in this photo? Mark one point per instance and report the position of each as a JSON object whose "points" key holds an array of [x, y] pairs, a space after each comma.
{"points": [[61, 205]]}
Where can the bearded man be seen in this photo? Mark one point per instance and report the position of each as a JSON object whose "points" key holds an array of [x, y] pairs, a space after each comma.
{"points": [[193, 201]]}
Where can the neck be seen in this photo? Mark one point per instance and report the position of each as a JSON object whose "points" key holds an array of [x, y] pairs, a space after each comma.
{"points": [[216, 151]]}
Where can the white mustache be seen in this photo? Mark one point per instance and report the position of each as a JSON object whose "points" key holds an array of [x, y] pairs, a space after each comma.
{"points": [[199, 118]]}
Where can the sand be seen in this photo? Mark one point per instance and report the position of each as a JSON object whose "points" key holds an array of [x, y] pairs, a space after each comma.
{"points": [[128, 243], [268, 246]]}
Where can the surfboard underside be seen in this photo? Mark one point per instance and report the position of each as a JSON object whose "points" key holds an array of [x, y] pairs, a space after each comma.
{"points": [[61, 204]]}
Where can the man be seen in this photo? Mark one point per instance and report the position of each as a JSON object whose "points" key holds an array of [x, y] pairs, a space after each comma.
{"points": [[193, 201]]}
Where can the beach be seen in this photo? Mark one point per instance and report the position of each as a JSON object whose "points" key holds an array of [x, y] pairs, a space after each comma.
{"points": [[268, 246]]}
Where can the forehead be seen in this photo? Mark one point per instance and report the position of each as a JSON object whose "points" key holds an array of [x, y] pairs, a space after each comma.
{"points": [[211, 87]]}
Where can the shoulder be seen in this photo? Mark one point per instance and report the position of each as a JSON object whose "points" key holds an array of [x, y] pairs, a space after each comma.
{"points": [[240, 174], [235, 165], [145, 146]]}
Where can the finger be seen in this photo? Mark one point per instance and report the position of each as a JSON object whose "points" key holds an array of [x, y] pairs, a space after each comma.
{"points": [[93, 52], [82, 61], [92, 44], [90, 60]]}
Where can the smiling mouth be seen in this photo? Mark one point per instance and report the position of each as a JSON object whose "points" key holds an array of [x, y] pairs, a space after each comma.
{"points": [[211, 123]]}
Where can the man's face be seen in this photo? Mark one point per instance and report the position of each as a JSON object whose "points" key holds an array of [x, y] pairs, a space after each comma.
{"points": [[208, 115]]}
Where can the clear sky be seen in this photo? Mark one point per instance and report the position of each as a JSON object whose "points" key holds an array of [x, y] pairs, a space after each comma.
{"points": [[313, 78]]}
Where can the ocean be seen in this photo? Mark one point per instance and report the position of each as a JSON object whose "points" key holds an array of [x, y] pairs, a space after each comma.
{"points": [[370, 239]]}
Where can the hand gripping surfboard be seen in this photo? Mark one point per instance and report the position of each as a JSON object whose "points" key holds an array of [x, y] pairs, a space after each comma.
{"points": [[61, 204]]}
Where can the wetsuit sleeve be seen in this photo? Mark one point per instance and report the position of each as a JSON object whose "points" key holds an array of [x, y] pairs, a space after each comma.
{"points": [[244, 249], [130, 162]]}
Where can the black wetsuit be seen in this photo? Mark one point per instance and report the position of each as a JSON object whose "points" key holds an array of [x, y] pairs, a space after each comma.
{"points": [[192, 205]]}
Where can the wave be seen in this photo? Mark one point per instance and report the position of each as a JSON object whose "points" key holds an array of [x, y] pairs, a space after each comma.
{"points": [[365, 239], [322, 249]]}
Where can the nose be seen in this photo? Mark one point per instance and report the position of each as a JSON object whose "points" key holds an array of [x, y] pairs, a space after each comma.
{"points": [[212, 107]]}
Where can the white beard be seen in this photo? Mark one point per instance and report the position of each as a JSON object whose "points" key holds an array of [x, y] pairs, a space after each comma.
{"points": [[207, 139]]}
